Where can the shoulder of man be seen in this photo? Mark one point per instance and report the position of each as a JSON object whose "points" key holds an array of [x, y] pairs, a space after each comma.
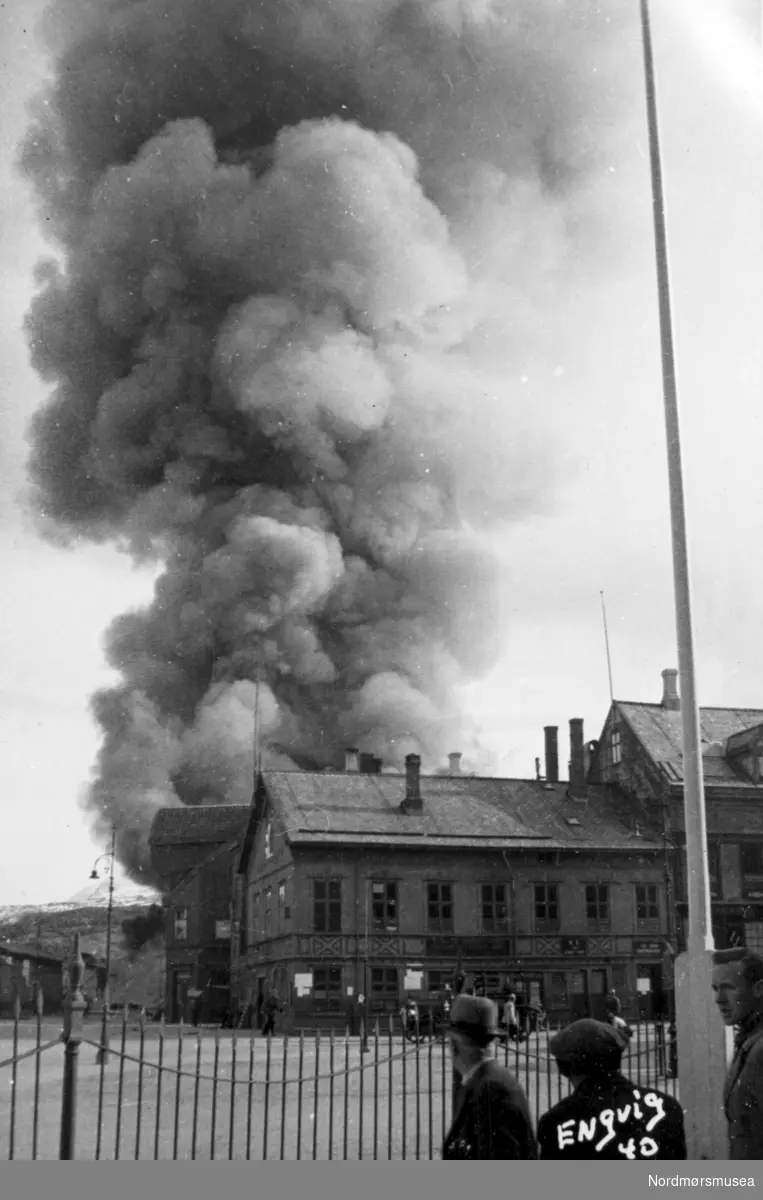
{"points": [[500, 1079]]}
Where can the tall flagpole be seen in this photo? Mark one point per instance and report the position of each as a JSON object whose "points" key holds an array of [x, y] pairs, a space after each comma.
{"points": [[701, 1036]]}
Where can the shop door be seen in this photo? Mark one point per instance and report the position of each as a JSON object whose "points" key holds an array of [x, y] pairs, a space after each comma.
{"points": [[597, 987], [181, 983], [650, 992], [578, 995]]}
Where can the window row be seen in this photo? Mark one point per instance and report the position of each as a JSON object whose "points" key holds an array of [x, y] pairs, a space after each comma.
{"points": [[494, 910]]}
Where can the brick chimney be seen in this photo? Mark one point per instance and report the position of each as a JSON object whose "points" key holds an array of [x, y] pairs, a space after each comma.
{"points": [[577, 753], [454, 764], [351, 761], [412, 802], [670, 697], [552, 753]]}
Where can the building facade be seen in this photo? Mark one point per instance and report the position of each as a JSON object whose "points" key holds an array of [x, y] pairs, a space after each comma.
{"points": [[194, 851], [640, 751], [375, 886]]}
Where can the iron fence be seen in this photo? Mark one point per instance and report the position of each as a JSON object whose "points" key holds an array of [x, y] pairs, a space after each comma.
{"points": [[137, 1090]]}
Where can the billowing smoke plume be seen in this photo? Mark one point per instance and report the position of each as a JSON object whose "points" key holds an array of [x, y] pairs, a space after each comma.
{"points": [[143, 929], [308, 250]]}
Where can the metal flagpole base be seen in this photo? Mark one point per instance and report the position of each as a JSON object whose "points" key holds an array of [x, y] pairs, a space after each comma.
{"points": [[702, 1057]]}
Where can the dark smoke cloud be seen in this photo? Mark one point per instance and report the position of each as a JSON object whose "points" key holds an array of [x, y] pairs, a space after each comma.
{"points": [[307, 249], [142, 929]]}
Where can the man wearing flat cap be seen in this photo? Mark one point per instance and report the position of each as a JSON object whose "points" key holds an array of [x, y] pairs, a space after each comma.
{"points": [[606, 1116], [491, 1118]]}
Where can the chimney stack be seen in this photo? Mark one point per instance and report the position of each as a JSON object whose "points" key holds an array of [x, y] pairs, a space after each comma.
{"points": [[351, 761], [552, 753], [412, 800], [670, 698], [577, 753], [454, 764]]}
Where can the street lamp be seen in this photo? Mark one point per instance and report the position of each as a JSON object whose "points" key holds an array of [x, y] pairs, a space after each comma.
{"points": [[103, 1053], [701, 1037]]}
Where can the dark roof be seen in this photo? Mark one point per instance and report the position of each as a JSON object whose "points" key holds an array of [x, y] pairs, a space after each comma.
{"points": [[660, 731], [212, 823], [21, 952], [457, 811]]}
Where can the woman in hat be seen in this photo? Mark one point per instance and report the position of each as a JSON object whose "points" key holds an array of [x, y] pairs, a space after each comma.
{"points": [[491, 1118]]}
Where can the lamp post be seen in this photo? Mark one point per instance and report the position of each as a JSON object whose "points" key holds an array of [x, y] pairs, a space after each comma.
{"points": [[701, 1037], [103, 1053]]}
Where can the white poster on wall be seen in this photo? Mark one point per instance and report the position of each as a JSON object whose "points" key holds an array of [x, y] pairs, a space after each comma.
{"points": [[303, 984]]}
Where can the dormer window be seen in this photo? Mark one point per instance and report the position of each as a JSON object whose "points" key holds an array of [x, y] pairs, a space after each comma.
{"points": [[269, 840]]}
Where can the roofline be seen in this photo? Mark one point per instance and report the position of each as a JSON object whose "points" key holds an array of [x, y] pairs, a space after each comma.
{"points": [[465, 776], [448, 842], [702, 707]]}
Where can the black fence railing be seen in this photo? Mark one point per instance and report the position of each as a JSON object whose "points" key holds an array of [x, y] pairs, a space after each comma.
{"points": [[147, 1091]]}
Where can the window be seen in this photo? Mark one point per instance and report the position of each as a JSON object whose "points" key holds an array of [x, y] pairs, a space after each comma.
{"points": [[753, 936], [180, 924], [495, 913], [327, 989], [646, 902], [597, 904], [438, 980], [546, 906], [267, 915], [327, 906], [268, 840], [384, 990], [752, 858], [440, 907], [384, 905], [615, 747], [281, 904], [714, 867]]}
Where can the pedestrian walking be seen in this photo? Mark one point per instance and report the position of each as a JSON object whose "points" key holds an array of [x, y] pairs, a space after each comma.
{"points": [[738, 989], [272, 1008], [491, 1118], [606, 1116]]}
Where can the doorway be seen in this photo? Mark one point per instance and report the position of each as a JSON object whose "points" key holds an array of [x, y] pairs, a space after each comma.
{"points": [[180, 983], [650, 991], [588, 990]]}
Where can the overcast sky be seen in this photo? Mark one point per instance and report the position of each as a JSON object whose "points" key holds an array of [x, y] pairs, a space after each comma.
{"points": [[608, 528]]}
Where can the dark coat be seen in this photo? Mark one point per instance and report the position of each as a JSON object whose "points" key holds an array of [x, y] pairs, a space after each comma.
{"points": [[743, 1098], [491, 1118], [613, 1118]]}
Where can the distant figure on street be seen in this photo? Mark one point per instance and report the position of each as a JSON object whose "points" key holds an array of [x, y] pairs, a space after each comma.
{"points": [[196, 1010], [612, 1004], [606, 1116], [510, 1017], [738, 990], [272, 1008], [491, 1118]]}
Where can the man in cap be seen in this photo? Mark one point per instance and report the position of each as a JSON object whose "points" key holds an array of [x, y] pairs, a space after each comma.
{"points": [[491, 1118], [738, 990], [606, 1116]]}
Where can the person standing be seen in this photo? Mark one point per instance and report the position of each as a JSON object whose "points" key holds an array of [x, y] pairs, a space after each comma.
{"points": [[510, 1017], [491, 1118], [272, 1007], [738, 989], [612, 1005], [606, 1116]]}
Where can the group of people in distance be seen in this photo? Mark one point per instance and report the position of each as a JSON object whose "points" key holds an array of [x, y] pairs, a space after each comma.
{"points": [[605, 1116]]}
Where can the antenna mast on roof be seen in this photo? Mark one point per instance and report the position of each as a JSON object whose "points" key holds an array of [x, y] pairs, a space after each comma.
{"points": [[257, 682], [606, 643]]}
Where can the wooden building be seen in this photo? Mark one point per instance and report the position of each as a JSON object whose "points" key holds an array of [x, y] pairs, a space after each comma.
{"points": [[372, 885], [194, 851], [22, 973], [640, 751]]}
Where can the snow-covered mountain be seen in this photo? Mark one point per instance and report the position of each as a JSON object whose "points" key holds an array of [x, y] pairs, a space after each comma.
{"points": [[126, 895]]}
